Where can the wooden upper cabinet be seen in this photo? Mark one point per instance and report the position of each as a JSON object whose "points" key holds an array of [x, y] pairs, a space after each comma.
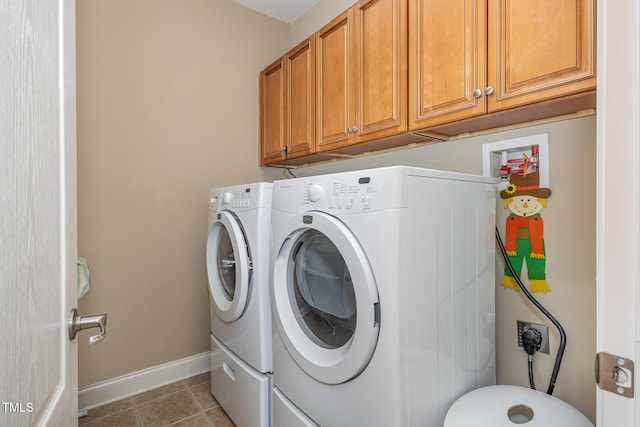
{"points": [[335, 82], [390, 72], [540, 49], [447, 40], [287, 105], [381, 66], [362, 74], [272, 112], [471, 57], [301, 97]]}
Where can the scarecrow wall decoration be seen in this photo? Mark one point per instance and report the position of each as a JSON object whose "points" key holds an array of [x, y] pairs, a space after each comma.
{"points": [[524, 238]]}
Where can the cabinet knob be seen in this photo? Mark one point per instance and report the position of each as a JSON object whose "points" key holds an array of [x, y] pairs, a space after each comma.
{"points": [[477, 93], [489, 90], [353, 129]]}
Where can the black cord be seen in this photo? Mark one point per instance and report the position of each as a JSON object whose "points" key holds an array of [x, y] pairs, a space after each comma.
{"points": [[563, 335], [286, 152], [531, 341], [531, 381]]}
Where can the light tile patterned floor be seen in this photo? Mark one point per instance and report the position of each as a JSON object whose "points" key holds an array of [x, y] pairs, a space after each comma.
{"points": [[186, 403]]}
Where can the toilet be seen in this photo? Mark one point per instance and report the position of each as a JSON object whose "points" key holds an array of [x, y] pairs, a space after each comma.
{"points": [[506, 405]]}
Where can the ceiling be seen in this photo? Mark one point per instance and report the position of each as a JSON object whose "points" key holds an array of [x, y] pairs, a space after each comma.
{"points": [[283, 10]]}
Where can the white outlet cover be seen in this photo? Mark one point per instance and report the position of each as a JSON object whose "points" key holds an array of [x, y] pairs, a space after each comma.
{"points": [[541, 140]]}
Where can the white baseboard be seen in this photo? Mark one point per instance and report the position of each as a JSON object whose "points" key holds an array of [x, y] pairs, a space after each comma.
{"points": [[127, 385]]}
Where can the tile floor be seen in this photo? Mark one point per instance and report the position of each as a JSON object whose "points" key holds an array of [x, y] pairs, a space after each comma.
{"points": [[186, 403]]}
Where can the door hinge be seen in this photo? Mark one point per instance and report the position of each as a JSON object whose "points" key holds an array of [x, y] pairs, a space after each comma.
{"points": [[614, 374]]}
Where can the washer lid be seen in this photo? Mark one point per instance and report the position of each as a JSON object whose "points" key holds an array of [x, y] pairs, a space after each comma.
{"points": [[228, 266], [324, 297]]}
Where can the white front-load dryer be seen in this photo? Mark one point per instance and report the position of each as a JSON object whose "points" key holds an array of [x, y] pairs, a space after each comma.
{"points": [[382, 296], [237, 256]]}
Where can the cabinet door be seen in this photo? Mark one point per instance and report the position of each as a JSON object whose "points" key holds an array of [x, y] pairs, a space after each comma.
{"points": [[447, 40], [539, 49], [381, 56], [335, 79], [300, 94], [272, 112]]}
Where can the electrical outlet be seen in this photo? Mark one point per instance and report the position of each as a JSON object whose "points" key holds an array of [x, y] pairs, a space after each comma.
{"points": [[544, 331], [528, 154]]}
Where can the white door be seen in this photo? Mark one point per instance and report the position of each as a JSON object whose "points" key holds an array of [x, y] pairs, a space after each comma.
{"points": [[618, 253], [38, 379], [324, 296], [229, 266]]}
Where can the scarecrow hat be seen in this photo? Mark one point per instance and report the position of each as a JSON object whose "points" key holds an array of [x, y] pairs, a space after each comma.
{"points": [[528, 184]]}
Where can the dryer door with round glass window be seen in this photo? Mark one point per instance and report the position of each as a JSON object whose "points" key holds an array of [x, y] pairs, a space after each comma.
{"points": [[325, 300], [228, 267]]}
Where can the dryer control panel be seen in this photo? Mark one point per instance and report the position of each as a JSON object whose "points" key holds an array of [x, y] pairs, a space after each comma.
{"points": [[348, 197], [349, 192]]}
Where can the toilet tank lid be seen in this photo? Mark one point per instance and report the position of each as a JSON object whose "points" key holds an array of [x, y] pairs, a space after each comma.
{"points": [[506, 405]]}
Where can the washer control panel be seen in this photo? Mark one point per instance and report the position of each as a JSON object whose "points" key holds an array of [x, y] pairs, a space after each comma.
{"points": [[240, 197], [215, 195], [237, 198]]}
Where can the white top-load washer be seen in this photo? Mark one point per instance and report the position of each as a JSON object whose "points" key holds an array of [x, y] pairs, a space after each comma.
{"points": [[238, 274], [382, 293]]}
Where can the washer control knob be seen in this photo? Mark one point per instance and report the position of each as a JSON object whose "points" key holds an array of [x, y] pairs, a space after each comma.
{"points": [[315, 192], [226, 197]]}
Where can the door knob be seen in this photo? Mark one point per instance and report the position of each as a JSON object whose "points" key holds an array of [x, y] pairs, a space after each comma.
{"points": [[477, 93], [489, 90], [77, 323]]}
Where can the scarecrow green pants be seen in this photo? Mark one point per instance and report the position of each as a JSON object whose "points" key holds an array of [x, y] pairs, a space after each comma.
{"points": [[536, 267]]}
